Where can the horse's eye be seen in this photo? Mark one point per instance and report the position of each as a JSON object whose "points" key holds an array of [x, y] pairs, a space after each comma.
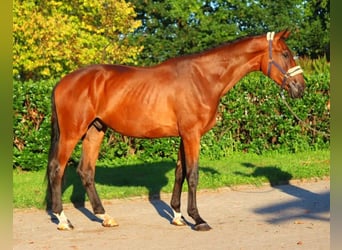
{"points": [[286, 55]]}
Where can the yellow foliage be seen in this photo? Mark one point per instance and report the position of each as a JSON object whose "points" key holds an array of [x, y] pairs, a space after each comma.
{"points": [[55, 37]]}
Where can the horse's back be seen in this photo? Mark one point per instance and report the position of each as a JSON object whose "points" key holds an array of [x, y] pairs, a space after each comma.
{"points": [[86, 76], [91, 82]]}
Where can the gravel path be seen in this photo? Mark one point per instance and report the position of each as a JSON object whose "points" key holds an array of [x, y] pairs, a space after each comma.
{"points": [[295, 216]]}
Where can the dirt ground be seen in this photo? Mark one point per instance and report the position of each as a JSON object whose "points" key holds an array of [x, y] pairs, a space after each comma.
{"points": [[295, 216]]}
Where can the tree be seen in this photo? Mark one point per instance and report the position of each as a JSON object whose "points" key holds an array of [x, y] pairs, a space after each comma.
{"points": [[171, 28], [177, 27], [51, 38], [313, 37]]}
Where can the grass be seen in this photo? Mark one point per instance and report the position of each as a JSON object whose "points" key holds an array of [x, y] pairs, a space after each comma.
{"points": [[134, 178]]}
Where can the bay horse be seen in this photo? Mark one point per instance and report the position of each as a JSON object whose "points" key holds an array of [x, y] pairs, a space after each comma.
{"points": [[178, 97]]}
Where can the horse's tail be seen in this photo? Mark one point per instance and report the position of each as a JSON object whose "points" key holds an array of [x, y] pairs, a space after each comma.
{"points": [[52, 162]]}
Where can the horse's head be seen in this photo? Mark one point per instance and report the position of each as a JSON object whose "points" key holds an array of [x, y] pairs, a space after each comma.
{"points": [[279, 64]]}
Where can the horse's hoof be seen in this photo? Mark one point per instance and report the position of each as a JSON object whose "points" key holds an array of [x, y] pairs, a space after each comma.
{"points": [[202, 227], [110, 222], [178, 222], [107, 220], [65, 226]]}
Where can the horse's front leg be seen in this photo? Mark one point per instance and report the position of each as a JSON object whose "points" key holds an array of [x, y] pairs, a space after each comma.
{"points": [[86, 169], [191, 149], [177, 188]]}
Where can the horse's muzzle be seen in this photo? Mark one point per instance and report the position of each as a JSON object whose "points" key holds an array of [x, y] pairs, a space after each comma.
{"points": [[296, 89]]}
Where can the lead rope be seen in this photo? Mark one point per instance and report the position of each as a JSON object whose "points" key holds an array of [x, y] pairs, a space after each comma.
{"points": [[327, 135], [291, 72]]}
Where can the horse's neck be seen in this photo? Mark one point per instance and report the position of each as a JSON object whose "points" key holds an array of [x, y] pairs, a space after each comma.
{"points": [[228, 64]]}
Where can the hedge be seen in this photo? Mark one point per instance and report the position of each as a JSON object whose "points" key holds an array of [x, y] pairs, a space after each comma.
{"points": [[252, 118]]}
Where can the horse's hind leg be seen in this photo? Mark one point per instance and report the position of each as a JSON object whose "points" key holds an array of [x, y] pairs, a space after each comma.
{"points": [[59, 155], [90, 149], [177, 188]]}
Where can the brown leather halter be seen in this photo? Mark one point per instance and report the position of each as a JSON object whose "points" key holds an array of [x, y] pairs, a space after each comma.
{"points": [[290, 73]]}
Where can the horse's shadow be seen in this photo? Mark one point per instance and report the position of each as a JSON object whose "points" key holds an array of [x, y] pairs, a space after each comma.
{"points": [[152, 176], [307, 204], [274, 175]]}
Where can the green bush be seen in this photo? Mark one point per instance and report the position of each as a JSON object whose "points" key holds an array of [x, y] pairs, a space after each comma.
{"points": [[31, 130], [251, 118], [257, 120]]}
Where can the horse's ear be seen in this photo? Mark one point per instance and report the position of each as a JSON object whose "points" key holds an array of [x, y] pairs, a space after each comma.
{"points": [[284, 34]]}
